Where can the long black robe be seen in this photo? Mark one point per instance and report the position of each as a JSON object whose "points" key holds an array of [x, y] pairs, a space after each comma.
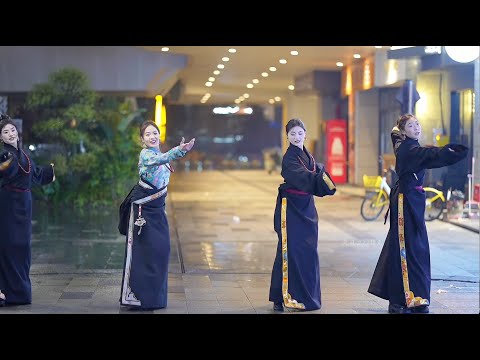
{"points": [[17, 176], [295, 277], [402, 274], [145, 271]]}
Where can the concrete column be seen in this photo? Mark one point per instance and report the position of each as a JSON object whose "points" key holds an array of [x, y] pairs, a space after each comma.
{"points": [[309, 109], [366, 135], [476, 123]]}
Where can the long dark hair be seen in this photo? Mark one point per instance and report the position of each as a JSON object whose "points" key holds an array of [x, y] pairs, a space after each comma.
{"points": [[294, 122], [7, 120]]}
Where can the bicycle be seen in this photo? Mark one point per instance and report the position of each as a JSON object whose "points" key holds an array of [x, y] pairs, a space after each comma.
{"points": [[377, 195]]}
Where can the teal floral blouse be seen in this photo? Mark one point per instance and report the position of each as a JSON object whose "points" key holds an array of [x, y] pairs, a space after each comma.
{"points": [[152, 165]]}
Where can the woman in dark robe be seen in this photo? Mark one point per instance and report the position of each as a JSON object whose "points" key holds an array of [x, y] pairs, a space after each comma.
{"points": [[18, 173], [295, 281], [402, 274], [144, 222]]}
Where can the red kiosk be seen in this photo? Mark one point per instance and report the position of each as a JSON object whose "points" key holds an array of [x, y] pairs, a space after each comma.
{"points": [[336, 142]]}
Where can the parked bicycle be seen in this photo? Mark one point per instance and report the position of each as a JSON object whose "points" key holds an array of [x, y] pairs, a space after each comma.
{"points": [[377, 196]]}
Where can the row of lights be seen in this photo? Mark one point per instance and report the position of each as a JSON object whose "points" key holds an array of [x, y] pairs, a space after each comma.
{"points": [[265, 74], [355, 56], [216, 72], [255, 81]]}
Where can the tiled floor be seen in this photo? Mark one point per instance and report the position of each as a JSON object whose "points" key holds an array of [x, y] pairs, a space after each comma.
{"points": [[223, 246]]}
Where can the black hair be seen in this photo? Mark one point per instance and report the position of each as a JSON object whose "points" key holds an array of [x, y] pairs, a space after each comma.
{"points": [[294, 122], [7, 120], [147, 124]]}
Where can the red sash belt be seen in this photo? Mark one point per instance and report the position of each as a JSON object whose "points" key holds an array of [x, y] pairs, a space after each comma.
{"points": [[297, 192], [13, 188]]}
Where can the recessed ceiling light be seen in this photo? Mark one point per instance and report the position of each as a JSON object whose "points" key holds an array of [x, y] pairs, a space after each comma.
{"points": [[255, 81], [271, 101], [165, 48], [339, 64], [232, 50], [294, 52], [225, 59], [236, 101], [241, 98], [291, 87], [282, 61], [278, 98], [220, 66], [272, 68], [208, 83], [211, 78], [249, 86], [216, 72], [264, 74], [246, 96], [356, 56]]}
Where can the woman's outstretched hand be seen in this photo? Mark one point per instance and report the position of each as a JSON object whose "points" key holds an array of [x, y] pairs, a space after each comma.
{"points": [[186, 146]]}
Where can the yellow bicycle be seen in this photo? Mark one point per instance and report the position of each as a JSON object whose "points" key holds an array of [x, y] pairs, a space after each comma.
{"points": [[377, 195]]}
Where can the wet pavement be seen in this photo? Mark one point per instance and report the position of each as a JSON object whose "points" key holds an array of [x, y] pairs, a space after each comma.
{"points": [[222, 252]]}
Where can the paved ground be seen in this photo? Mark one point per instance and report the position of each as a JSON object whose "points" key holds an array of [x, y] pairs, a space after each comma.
{"points": [[223, 246]]}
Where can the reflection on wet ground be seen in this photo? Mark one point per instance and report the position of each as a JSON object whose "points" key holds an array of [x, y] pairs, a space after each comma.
{"points": [[88, 240], [222, 250]]}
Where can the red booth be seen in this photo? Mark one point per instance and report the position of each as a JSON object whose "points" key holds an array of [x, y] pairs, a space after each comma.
{"points": [[336, 143]]}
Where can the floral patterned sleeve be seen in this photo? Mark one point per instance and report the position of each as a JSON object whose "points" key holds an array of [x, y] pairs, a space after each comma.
{"points": [[152, 158]]}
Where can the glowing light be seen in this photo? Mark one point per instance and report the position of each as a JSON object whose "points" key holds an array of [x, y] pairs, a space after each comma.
{"points": [[463, 54]]}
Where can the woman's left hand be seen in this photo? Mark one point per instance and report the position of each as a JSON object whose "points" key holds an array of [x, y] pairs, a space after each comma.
{"points": [[186, 146]]}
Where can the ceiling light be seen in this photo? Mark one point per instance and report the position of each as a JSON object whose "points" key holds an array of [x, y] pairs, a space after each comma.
{"points": [[378, 47], [249, 86], [216, 72], [211, 78], [264, 74], [291, 87], [165, 48], [278, 98], [207, 95], [225, 59], [339, 64], [203, 101], [271, 101], [294, 52], [356, 56], [255, 81], [233, 51], [208, 83], [272, 68], [236, 101], [220, 66], [282, 61], [241, 98], [246, 96], [462, 54]]}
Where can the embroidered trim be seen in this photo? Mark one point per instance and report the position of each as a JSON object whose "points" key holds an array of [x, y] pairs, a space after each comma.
{"points": [[128, 297], [328, 181], [410, 298], [287, 299], [5, 164]]}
